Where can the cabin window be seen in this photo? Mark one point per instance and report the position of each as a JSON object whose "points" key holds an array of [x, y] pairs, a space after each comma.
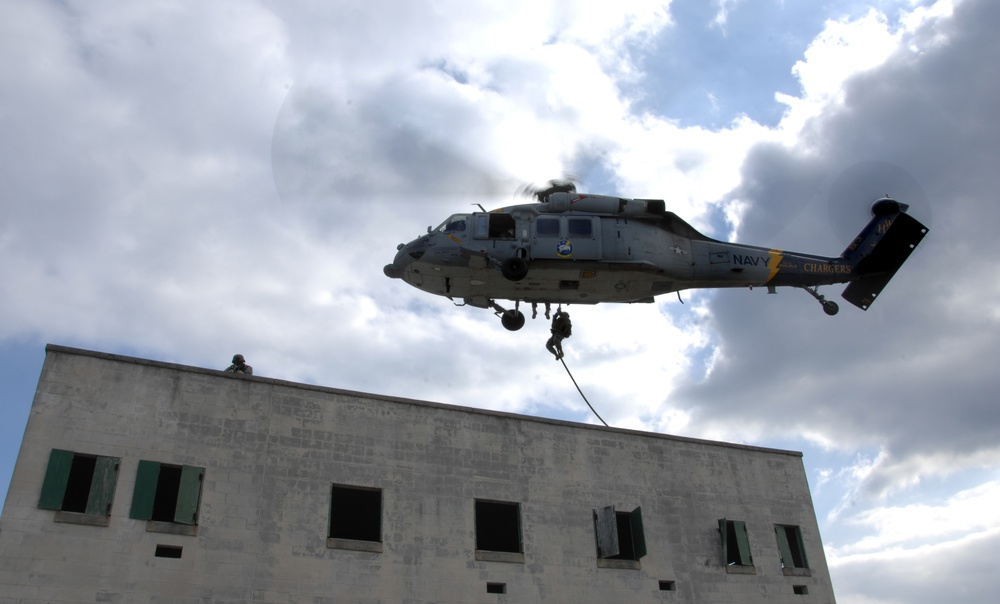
{"points": [[619, 534], [79, 483], [498, 526], [791, 546], [502, 226], [495, 225], [547, 227], [167, 493], [581, 227], [735, 543]]}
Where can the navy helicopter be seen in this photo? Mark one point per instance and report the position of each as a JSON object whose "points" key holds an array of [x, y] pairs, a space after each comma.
{"points": [[573, 248]]}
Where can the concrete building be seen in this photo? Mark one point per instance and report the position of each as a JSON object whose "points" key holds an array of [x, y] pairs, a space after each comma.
{"points": [[142, 481]]}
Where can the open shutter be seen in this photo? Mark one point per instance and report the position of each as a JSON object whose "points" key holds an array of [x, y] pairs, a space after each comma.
{"points": [[793, 549], [144, 494], [744, 543], [606, 528], [638, 534], [102, 487], [723, 525], [189, 495], [56, 479], [783, 549]]}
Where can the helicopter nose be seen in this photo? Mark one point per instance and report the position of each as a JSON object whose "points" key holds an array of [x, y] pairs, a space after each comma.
{"points": [[392, 271], [395, 269]]}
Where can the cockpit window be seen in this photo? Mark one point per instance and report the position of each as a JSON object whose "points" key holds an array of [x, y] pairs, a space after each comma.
{"points": [[456, 223]]}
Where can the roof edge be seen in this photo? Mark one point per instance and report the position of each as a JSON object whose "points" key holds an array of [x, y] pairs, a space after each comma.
{"points": [[60, 349]]}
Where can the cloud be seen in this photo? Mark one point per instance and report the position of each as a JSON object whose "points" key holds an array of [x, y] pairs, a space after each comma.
{"points": [[912, 374]]}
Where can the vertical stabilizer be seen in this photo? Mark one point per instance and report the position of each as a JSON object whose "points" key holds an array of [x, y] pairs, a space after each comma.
{"points": [[882, 247]]}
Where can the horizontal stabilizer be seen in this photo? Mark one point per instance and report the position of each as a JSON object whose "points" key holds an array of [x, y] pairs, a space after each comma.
{"points": [[885, 248]]}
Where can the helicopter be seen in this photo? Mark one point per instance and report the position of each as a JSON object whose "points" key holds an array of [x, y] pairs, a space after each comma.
{"points": [[573, 248]]}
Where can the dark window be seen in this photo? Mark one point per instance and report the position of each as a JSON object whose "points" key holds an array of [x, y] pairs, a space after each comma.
{"points": [[498, 526], [619, 534], [79, 483], [793, 551], [735, 543], [356, 513], [496, 588], [168, 551], [167, 493], [668, 586], [501, 226], [547, 227], [167, 487], [581, 227]]}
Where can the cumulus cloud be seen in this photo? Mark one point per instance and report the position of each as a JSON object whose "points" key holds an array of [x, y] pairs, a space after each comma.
{"points": [[878, 377]]}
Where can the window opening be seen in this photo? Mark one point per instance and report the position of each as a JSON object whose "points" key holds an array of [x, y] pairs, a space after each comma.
{"points": [[165, 501], [498, 526], [78, 483], [800, 590], [619, 534], [502, 226], [81, 474], [735, 543], [167, 493], [168, 551], [496, 588], [791, 546], [668, 586], [356, 513]]}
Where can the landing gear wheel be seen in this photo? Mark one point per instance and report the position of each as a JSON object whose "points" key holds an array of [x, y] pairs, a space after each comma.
{"points": [[512, 320], [829, 306], [514, 268]]}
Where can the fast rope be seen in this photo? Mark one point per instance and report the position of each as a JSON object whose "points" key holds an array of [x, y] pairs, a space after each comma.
{"points": [[581, 393]]}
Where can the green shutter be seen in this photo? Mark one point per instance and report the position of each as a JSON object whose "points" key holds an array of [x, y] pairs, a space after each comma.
{"points": [[722, 530], [102, 487], [793, 554], [744, 543], [606, 529], [783, 549], [56, 478], [638, 535], [189, 495], [144, 494]]}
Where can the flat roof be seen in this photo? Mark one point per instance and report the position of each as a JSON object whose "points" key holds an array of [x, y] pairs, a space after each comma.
{"points": [[56, 348]]}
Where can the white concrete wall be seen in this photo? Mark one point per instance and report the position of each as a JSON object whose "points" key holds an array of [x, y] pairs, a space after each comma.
{"points": [[272, 449]]}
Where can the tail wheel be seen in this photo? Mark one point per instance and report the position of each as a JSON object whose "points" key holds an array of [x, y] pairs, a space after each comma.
{"points": [[514, 268], [830, 307], [512, 320]]}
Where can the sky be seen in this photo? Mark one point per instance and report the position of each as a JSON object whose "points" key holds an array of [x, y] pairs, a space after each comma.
{"points": [[182, 181]]}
